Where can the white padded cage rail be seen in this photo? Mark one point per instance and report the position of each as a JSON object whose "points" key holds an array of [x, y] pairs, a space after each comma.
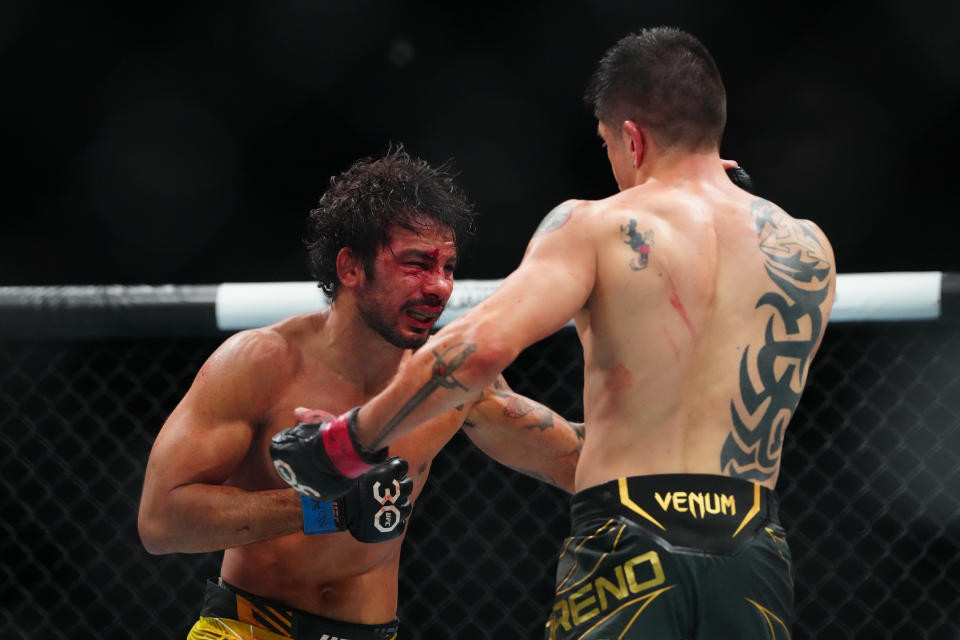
{"points": [[196, 310]]}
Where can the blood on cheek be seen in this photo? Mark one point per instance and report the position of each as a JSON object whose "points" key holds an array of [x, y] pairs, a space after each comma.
{"points": [[421, 277]]}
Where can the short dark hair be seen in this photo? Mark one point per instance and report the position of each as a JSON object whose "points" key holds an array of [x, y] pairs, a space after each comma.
{"points": [[363, 202], [663, 79]]}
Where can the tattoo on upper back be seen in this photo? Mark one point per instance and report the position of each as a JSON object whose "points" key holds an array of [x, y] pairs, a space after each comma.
{"points": [[772, 376], [447, 363], [639, 242], [557, 217]]}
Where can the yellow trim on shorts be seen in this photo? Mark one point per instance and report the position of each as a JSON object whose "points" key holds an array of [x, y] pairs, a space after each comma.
{"points": [[563, 587], [633, 506], [754, 510], [576, 563], [211, 628], [767, 614]]}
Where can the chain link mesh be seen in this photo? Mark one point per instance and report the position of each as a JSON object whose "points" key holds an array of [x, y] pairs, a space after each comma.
{"points": [[869, 493]]}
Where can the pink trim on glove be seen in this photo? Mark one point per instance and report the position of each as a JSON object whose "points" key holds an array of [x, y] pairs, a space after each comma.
{"points": [[340, 448]]}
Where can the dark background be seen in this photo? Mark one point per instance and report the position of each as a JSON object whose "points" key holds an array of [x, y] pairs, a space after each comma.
{"points": [[185, 142]]}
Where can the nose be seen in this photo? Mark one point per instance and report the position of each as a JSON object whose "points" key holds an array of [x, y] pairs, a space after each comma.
{"points": [[438, 284]]}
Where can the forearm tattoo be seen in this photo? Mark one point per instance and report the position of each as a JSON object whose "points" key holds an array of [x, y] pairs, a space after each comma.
{"points": [[577, 428], [639, 242], [797, 265], [521, 409], [446, 364], [517, 407], [579, 431]]}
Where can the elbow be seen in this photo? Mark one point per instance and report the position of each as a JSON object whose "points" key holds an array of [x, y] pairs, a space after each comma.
{"points": [[568, 477], [493, 353], [150, 538], [153, 535]]}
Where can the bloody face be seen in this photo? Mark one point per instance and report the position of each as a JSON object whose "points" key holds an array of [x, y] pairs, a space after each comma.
{"points": [[411, 281]]}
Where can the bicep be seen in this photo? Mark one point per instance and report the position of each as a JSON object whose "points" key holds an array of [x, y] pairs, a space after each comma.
{"points": [[210, 431], [197, 446], [552, 283]]}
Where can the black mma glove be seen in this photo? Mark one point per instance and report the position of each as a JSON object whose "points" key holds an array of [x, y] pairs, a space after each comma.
{"points": [[321, 460], [375, 509], [740, 178]]}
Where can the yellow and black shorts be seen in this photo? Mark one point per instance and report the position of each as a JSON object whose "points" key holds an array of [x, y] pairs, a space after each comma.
{"points": [[231, 614], [672, 557]]}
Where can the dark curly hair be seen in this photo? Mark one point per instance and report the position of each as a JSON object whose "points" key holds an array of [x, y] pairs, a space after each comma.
{"points": [[664, 79], [366, 199]]}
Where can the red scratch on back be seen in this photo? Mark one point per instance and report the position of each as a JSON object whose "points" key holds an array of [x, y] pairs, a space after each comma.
{"points": [[675, 301], [673, 345]]}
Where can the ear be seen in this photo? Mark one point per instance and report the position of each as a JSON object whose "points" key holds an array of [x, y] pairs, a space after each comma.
{"points": [[350, 268], [635, 137]]}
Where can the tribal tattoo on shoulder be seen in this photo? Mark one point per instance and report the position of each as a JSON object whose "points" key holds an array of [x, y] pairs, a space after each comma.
{"points": [[797, 265], [446, 364], [639, 242]]}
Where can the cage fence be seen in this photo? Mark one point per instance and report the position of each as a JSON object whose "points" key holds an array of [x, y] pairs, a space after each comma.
{"points": [[869, 489]]}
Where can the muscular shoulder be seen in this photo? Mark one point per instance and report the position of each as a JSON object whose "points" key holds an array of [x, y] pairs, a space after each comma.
{"points": [[776, 227], [264, 347], [815, 232], [646, 208], [564, 214], [248, 367], [279, 345]]}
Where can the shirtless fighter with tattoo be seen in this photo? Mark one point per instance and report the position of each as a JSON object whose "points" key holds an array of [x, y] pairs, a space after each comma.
{"points": [[699, 307], [383, 244]]}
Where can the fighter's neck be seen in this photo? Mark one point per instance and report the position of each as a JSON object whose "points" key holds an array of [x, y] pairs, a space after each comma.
{"points": [[678, 166], [356, 351]]}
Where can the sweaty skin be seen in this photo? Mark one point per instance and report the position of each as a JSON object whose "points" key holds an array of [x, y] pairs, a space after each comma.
{"points": [[210, 483], [699, 307], [712, 286]]}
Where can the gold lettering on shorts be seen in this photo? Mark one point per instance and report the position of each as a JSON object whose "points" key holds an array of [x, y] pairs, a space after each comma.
{"points": [[728, 501], [698, 504], [696, 500], [654, 560], [680, 501], [637, 574], [577, 613], [619, 591], [560, 616], [716, 503]]}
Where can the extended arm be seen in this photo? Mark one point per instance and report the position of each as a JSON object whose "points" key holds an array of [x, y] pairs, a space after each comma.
{"points": [[525, 435], [550, 286]]}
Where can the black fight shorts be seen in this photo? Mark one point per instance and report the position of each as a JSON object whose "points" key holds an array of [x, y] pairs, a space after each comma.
{"points": [[231, 614], [672, 557]]}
